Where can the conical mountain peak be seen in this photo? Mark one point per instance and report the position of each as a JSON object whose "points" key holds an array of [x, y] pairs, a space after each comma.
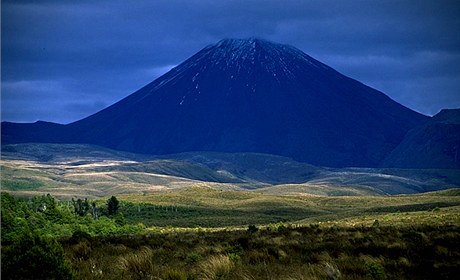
{"points": [[252, 95], [254, 57]]}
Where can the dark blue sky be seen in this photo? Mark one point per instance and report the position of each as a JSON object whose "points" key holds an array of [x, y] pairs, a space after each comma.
{"points": [[64, 60]]}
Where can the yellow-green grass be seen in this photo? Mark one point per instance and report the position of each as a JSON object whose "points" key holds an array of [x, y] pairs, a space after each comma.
{"points": [[91, 180], [207, 207]]}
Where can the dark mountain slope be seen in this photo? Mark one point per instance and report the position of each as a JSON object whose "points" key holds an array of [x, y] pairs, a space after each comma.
{"points": [[41, 132], [253, 96], [435, 144]]}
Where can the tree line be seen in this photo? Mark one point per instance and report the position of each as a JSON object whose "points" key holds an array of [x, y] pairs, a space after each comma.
{"points": [[56, 219]]}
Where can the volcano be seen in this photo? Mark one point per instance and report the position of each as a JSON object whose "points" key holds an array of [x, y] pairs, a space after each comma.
{"points": [[247, 95]]}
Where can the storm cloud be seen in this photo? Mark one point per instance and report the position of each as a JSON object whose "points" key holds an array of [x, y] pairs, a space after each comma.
{"points": [[64, 60]]}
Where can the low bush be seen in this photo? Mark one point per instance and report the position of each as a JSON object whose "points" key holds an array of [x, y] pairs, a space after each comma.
{"points": [[34, 256]]}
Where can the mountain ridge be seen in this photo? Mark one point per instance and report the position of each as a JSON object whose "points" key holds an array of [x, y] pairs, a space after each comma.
{"points": [[433, 144]]}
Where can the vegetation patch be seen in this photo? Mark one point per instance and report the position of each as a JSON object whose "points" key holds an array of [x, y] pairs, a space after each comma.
{"points": [[201, 233], [305, 252], [21, 184]]}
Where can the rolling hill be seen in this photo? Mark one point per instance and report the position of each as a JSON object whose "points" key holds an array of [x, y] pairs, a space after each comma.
{"points": [[76, 170]]}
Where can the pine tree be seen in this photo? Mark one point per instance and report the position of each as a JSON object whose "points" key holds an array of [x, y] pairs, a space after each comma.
{"points": [[112, 205]]}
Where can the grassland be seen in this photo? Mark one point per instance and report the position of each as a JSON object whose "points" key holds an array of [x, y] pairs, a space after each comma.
{"points": [[309, 252], [88, 179], [201, 216], [212, 235], [204, 233], [206, 207]]}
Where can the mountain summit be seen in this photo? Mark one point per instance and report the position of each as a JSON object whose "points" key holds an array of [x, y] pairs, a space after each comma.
{"points": [[251, 95]]}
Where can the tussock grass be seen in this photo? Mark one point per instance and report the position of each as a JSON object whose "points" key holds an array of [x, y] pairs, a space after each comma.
{"points": [[411, 251], [216, 267], [139, 263]]}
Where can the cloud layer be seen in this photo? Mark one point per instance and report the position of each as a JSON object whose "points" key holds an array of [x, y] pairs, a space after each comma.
{"points": [[64, 60]]}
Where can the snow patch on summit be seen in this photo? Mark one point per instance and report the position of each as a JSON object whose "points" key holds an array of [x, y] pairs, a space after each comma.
{"points": [[245, 54], [243, 58]]}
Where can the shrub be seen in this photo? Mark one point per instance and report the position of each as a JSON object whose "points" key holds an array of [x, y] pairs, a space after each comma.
{"points": [[375, 270], [34, 255], [252, 229], [104, 226], [79, 235], [376, 224], [237, 250], [174, 274], [13, 217], [120, 219], [192, 258], [234, 257]]}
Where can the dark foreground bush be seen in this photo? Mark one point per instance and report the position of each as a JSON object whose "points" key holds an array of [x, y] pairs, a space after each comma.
{"points": [[32, 256]]}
